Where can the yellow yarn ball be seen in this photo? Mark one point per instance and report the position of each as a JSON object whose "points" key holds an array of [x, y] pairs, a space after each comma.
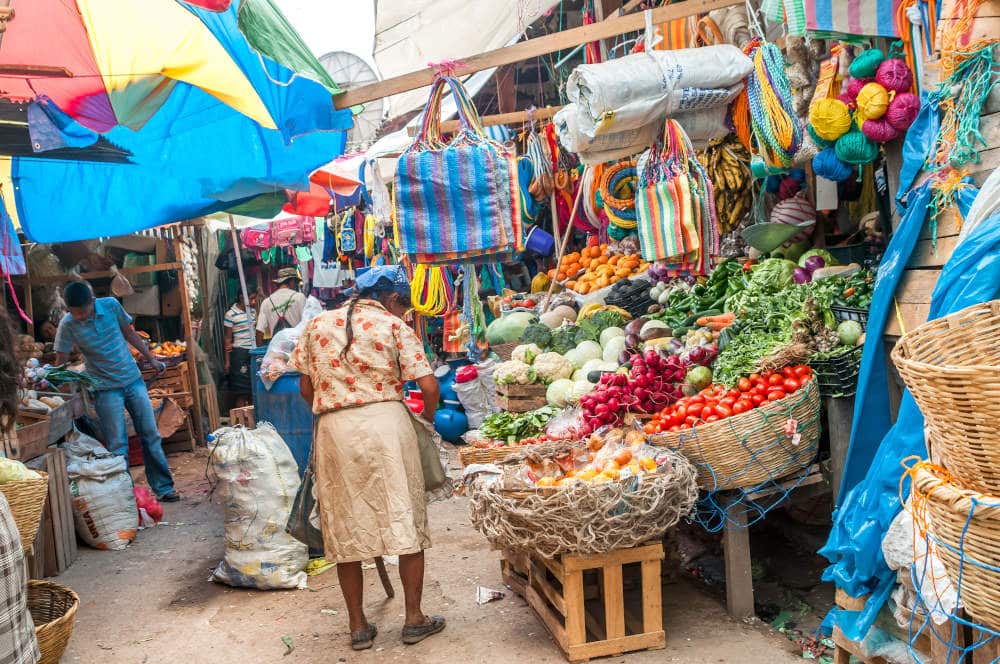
{"points": [[830, 118], [873, 100]]}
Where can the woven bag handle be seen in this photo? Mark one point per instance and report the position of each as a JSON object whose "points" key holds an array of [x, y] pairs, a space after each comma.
{"points": [[430, 127]]}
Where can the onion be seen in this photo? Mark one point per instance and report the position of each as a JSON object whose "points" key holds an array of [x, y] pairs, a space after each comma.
{"points": [[813, 263], [801, 276]]}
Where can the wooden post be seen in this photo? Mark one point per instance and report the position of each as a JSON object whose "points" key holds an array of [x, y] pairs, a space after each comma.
{"points": [[739, 579], [192, 356], [840, 415], [243, 277], [562, 246]]}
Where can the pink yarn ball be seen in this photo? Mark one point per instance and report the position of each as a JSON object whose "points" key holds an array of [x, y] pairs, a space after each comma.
{"points": [[854, 85], [903, 111], [850, 100], [788, 188], [879, 131], [894, 75]]}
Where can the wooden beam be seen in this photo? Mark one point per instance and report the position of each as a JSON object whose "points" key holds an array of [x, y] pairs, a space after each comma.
{"points": [[528, 49], [103, 274], [190, 341], [517, 117]]}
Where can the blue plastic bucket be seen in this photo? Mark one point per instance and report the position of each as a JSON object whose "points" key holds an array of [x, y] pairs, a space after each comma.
{"points": [[540, 242], [285, 408]]}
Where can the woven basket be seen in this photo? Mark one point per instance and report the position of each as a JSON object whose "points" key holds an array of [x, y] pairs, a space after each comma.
{"points": [[949, 506], [53, 609], [470, 455], [504, 351], [744, 450], [27, 500], [952, 368]]}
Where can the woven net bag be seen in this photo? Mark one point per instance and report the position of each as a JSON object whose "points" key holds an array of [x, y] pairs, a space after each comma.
{"points": [[952, 368], [586, 518], [27, 502], [965, 527], [753, 447], [53, 610]]}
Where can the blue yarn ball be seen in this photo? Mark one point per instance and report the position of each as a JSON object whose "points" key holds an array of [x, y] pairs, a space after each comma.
{"points": [[773, 182], [828, 165], [798, 174]]}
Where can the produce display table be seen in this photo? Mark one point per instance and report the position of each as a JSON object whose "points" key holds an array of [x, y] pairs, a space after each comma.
{"points": [[582, 599]]}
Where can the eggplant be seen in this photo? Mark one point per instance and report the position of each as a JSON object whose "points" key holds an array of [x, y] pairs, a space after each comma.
{"points": [[632, 340], [635, 326], [655, 333]]}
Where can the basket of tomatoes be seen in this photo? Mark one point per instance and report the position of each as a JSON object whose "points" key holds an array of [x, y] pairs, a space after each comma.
{"points": [[763, 428]]}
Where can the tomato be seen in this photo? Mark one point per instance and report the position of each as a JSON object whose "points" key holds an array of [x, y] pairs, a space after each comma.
{"points": [[674, 429], [530, 303], [757, 399], [744, 384], [712, 418], [741, 406], [696, 401], [775, 395], [754, 377], [760, 388], [734, 394], [659, 427], [774, 380], [788, 372], [669, 421], [681, 412], [690, 420], [650, 427], [802, 370], [723, 411], [706, 392], [728, 401], [706, 411], [790, 385]]}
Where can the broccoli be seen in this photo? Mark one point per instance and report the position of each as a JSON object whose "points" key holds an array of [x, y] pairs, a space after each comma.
{"points": [[563, 339], [537, 334]]}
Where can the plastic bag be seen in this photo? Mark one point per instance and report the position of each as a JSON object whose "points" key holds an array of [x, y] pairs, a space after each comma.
{"points": [[275, 362], [258, 481], [104, 509], [475, 400]]}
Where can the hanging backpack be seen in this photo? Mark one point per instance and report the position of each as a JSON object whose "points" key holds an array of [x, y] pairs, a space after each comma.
{"points": [[282, 323]]}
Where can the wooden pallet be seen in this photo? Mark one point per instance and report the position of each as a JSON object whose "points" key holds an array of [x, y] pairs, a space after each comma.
{"points": [[211, 403], [242, 417], [55, 546], [520, 398], [581, 600]]}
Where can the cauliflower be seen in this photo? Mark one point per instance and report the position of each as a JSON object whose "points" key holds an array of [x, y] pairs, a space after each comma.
{"points": [[513, 372], [526, 353], [552, 366]]}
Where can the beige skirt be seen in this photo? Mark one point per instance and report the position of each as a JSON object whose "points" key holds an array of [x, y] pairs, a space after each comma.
{"points": [[369, 483]]}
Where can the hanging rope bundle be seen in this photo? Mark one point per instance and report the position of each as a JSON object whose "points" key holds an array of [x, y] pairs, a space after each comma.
{"points": [[618, 195], [763, 115], [431, 290]]}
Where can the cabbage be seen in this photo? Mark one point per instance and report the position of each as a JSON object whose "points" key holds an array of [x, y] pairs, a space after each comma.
{"points": [[828, 259], [613, 349], [611, 333], [580, 388], [607, 366], [773, 275], [589, 350], [559, 392], [13, 471], [849, 332], [573, 355], [592, 365], [509, 328]]}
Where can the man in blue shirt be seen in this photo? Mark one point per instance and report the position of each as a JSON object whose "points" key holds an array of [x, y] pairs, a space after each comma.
{"points": [[102, 331]]}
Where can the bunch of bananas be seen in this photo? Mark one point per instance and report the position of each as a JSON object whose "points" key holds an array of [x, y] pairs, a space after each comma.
{"points": [[589, 310], [728, 164]]}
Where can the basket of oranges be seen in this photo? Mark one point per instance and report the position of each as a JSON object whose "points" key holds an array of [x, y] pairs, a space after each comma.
{"points": [[607, 492], [594, 268]]}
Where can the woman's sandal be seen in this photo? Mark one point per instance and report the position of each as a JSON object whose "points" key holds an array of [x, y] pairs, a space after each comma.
{"points": [[418, 633], [363, 638]]}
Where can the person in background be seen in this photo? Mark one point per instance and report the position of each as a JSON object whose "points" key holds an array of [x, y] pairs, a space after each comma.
{"points": [[102, 331], [45, 330], [238, 326], [282, 308], [369, 481], [18, 644]]}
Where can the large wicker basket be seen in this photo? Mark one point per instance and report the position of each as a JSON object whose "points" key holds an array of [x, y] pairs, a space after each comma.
{"points": [[952, 368], [968, 546], [745, 450], [469, 455], [53, 609], [27, 501]]}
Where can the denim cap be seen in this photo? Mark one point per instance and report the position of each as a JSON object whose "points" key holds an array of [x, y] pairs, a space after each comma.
{"points": [[383, 278]]}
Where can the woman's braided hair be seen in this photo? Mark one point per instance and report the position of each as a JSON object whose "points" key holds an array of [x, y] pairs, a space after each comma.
{"points": [[381, 291]]}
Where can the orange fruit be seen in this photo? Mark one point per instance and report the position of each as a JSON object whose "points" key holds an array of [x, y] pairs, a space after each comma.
{"points": [[623, 456], [571, 284], [648, 463], [546, 481]]}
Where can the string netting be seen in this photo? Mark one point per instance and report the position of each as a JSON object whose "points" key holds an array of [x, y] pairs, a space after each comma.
{"points": [[960, 531], [749, 464]]}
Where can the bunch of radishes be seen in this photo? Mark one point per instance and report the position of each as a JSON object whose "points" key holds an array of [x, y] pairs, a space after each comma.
{"points": [[654, 381]]}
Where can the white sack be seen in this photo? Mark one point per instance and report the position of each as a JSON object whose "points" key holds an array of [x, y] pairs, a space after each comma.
{"points": [[104, 510], [630, 92], [258, 480], [908, 553]]}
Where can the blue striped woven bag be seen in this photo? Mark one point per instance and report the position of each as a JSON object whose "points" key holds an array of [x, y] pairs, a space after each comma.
{"points": [[457, 201]]}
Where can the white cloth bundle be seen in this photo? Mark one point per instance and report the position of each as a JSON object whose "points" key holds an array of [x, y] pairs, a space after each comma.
{"points": [[633, 91]]}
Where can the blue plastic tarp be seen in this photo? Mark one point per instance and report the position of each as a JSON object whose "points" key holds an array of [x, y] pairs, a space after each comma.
{"points": [[870, 492]]}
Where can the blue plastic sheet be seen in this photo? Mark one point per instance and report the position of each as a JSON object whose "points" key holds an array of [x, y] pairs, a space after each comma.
{"points": [[870, 491], [917, 146], [11, 258]]}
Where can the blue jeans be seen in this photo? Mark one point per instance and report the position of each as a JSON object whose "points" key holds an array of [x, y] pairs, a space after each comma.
{"points": [[110, 406]]}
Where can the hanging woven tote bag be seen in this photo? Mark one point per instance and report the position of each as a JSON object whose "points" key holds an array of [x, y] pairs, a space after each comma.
{"points": [[664, 207], [457, 201]]}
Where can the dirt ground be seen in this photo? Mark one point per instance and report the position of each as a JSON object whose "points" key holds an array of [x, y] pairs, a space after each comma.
{"points": [[153, 603]]}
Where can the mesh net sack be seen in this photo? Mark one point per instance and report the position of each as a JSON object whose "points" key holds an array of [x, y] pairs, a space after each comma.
{"points": [[584, 518]]}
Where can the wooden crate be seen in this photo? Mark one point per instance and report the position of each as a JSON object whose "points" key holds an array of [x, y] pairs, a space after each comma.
{"points": [[581, 601], [514, 566], [55, 546], [31, 437], [520, 398], [174, 379], [242, 417]]}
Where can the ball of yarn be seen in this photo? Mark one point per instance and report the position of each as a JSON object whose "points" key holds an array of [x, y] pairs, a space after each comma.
{"points": [[772, 184], [830, 118], [879, 130], [828, 165], [820, 142], [788, 188], [893, 74], [873, 100], [854, 86], [903, 110], [856, 148], [797, 173], [866, 64]]}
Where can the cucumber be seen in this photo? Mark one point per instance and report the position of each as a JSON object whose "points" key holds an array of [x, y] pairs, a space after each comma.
{"points": [[679, 332], [693, 318]]}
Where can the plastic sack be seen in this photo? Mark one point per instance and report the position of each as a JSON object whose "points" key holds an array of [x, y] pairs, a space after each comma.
{"points": [[917, 146], [104, 509], [475, 400], [908, 553], [610, 146], [633, 91], [258, 480], [279, 349]]}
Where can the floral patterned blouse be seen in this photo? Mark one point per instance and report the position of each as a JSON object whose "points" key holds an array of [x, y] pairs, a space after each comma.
{"points": [[385, 354]]}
